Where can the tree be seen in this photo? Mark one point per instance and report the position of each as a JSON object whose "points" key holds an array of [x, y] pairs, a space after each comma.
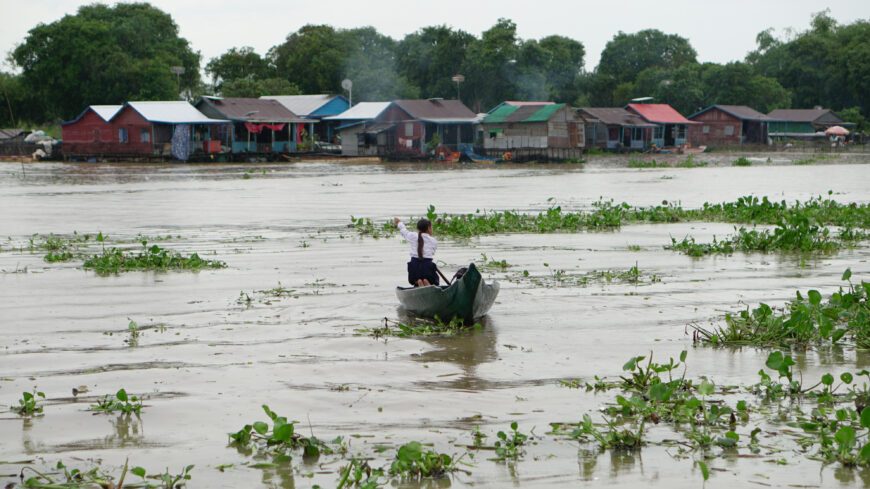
{"points": [[430, 57], [827, 65], [370, 64], [489, 66], [237, 64], [255, 88], [739, 84], [549, 69], [626, 55], [311, 58], [105, 55]]}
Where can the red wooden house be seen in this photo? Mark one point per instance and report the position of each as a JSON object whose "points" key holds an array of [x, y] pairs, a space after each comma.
{"points": [[729, 124], [168, 129], [90, 132]]}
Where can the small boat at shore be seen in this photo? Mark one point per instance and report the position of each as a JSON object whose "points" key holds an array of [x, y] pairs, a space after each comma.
{"points": [[468, 297]]}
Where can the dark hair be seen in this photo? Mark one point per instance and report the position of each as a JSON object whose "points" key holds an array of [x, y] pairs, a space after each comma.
{"points": [[423, 225]]}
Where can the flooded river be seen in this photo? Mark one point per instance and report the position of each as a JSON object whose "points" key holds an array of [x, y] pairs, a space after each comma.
{"points": [[207, 358]]}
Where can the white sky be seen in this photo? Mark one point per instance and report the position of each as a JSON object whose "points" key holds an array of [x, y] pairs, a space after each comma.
{"points": [[720, 30]]}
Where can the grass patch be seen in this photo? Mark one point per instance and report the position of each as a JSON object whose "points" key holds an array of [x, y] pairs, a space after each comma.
{"points": [[150, 258], [741, 162]]}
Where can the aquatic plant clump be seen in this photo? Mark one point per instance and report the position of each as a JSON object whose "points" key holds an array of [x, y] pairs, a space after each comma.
{"points": [[796, 234], [804, 321], [150, 258], [606, 214]]}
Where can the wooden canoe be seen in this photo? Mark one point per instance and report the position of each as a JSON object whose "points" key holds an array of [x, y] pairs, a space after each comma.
{"points": [[467, 298]]}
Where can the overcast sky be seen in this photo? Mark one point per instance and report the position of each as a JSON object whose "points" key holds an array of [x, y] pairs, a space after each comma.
{"points": [[720, 31]]}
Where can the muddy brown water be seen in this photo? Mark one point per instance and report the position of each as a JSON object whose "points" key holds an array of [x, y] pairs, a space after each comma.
{"points": [[206, 362]]}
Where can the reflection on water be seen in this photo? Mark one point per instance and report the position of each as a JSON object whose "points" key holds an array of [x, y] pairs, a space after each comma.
{"points": [[467, 350]]}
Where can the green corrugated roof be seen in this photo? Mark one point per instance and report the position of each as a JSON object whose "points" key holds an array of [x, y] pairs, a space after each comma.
{"points": [[500, 114], [544, 113], [506, 113]]}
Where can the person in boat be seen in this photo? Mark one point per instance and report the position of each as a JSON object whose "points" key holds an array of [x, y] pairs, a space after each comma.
{"points": [[421, 269]]}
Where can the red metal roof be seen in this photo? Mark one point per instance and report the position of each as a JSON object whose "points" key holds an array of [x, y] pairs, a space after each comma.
{"points": [[659, 113]]}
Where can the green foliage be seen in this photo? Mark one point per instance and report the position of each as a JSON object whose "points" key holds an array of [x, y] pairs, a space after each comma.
{"points": [[239, 64], [29, 404], [360, 475], [803, 321], [279, 442], [150, 258], [415, 462], [121, 402], [509, 445], [826, 65], [105, 55], [635, 163], [422, 327], [626, 55], [742, 162]]}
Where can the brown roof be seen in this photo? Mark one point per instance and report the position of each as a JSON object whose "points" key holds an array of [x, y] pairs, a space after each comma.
{"points": [[437, 110], [616, 116], [253, 109], [797, 115], [739, 111]]}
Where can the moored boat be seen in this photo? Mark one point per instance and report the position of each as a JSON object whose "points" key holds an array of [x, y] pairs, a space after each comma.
{"points": [[467, 298]]}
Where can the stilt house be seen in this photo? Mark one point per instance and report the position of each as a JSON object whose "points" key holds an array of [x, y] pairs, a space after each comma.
{"points": [[258, 125]]}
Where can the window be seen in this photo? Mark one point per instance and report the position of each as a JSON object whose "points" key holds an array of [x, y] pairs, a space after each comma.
{"points": [[122, 135], [636, 134], [659, 132], [729, 130], [706, 130], [145, 135], [409, 129], [681, 131]]}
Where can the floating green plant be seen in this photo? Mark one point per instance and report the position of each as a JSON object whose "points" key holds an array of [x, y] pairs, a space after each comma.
{"points": [[29, 404], [804, 321], [121, 402], [415, 462], [606, 214], [634, 163], [421, 327], [279, 441], [150, 258]]}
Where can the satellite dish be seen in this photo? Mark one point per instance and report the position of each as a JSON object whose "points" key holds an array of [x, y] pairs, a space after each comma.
{"points": [[346, 84]]}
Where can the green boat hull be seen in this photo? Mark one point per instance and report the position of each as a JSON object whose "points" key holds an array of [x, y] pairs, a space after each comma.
{"points": [[467, 298]]}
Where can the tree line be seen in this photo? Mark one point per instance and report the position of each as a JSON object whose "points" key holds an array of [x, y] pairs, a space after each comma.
{"points": [[108, 55]]}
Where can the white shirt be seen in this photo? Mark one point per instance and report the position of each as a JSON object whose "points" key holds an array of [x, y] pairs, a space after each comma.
{"points": [[430, 244]]}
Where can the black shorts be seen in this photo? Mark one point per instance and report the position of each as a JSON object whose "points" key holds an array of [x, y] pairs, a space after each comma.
{"points": [[422, 268]]}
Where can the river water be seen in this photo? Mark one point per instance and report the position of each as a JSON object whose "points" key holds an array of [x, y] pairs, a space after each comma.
{"points": [[206, 361]]}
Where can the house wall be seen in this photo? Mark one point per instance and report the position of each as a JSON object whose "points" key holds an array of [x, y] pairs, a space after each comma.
{"points": [[333, 107], [562, 130], [408, 134], [714, 128], [87, 135], [791, 126], [135, 124]]}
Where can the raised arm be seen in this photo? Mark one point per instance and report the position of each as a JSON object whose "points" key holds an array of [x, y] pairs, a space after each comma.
{"points": [[402, 229]]}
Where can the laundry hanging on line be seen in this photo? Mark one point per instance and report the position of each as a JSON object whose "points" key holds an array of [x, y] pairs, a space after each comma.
{"points": [[258, 128]]}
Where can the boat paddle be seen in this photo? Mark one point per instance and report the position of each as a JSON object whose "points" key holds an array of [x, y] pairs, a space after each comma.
{"points": [[442, 275]]}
